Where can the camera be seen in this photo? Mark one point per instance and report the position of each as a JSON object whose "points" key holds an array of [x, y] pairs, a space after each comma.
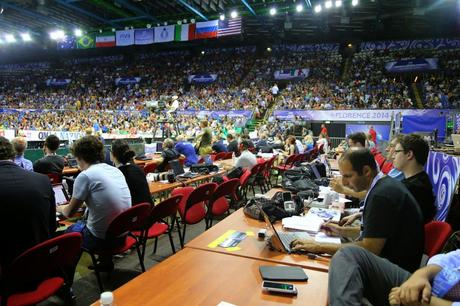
{"points": [[156, 177]]}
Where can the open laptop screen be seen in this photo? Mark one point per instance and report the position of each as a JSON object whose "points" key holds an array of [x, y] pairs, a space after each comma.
{"points": [[176, 167], [60, 195]]}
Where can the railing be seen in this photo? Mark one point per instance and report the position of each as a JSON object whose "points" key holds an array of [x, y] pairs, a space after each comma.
{"points": [[333, 141]]}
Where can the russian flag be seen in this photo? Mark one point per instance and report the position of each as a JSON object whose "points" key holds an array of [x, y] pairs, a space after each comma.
{"points": [[206, 29]]}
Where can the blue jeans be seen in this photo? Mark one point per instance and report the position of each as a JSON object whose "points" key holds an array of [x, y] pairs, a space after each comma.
{"points": [[90, 241]]}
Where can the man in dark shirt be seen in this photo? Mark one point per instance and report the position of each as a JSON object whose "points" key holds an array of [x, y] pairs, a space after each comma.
{"points": [[187, 149], [27, 207], [51, 163], [232, 144], [392, 221], [219, 146], [168, 154], [410, 156]]}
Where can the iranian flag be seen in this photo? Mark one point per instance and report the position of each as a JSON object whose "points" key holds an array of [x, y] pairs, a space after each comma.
{"points": [[105, 40], [185, 32]]}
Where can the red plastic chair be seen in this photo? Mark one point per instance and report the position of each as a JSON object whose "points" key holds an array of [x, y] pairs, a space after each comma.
{"points": [[436, 235], [219, 204], [268, 170], [244, 183], [192, 206], [220, 156], [130, 220], [287, 165], [150, 168], [157, 225], [228, 155], [55, 178], [41, 266]]}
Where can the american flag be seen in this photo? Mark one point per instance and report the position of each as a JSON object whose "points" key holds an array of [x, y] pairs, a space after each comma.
{"points": [[229, 27]]}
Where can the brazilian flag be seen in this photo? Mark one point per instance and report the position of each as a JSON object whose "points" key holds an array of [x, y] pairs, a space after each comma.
{"points": [[87, 41]]}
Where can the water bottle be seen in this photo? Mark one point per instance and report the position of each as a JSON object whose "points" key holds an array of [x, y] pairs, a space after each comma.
{"points": [[107, 298], [233, 158]]}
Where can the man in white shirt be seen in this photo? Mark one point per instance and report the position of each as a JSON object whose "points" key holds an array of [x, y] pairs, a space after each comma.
{"points": [[247, 160], [275, 90]]}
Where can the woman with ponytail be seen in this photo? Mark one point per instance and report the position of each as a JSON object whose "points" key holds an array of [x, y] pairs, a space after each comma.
{"points": [[122, 156]]}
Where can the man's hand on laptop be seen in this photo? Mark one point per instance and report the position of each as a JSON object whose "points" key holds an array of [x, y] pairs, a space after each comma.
{"points": [[299, 245]]}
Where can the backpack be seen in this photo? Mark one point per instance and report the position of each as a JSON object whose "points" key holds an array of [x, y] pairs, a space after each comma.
{"points": [[274, 208]]}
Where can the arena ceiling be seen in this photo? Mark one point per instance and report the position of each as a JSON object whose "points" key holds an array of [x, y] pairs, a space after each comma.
{"points": [[367, 20]]}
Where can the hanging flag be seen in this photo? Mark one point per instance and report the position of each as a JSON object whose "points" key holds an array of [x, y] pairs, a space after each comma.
{"points": [[86, 42], [164, 34], [229, 27], [67, 43], [143, 36], [125, 38], [206, 29], [105, 40], [185, 32]]}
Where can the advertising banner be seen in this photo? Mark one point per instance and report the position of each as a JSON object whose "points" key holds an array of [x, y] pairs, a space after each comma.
{"points": [[203, 78], [32, 135], [8, 134], [412, 65], [291, 74], [383, 130], [127, 81], [58, 82]]}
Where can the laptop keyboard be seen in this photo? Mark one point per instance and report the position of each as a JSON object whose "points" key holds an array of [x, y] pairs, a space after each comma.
{"points": [[287, 238]]}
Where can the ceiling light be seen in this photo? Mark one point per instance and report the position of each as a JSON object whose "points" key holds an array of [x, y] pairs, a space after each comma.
{"points": [[350, 45], [184, 20], [269, 49], [202, 52], [317, 8], [354, 2], [26, 37], [192, 20], [57, 35], [10, 38], [328, 4], [113, 29], [78, 32], [338, 3], [299, 8], [234, 14], [273, 11], [1, 10], [148, 26], [179, 22], [165, 23], [222, 17]]}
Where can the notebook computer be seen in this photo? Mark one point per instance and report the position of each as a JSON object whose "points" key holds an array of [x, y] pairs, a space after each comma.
{"points": [[73, 163], [456, 141], [178, 169], [61, 196], [280, 240]]}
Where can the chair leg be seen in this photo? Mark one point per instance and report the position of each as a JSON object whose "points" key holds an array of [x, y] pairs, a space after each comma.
{"points": [[141, 260], [171, 242], [180, 235], [98, 276], [183, 235], [155, 246]]}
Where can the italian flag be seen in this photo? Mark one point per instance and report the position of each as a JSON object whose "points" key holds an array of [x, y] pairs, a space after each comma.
{"points": [[184, 32], [105, 40]]}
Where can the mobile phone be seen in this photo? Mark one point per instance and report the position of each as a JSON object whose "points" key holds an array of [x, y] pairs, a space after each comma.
{"points": [[279, 287], [287, 196]]}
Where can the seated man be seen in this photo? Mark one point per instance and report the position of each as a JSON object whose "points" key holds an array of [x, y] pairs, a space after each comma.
{"points": [[51, 163], [356, 273], [27, 209], [168, 154], [232, 145], [246, 160], [218, 145], [392, 224], [20, 145], [103, 189], [357, 140], [410, 156], [394, 173], [187, 149]]}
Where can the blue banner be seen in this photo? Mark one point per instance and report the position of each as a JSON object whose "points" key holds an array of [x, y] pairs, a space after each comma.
{"points": [[247, 114], [457, 124], [412, 65], [306, 48], [441, 43], [57, 82], [143, 36], [383, 131], [202, 78], [127, 81], [443, 171], [413, 124]]}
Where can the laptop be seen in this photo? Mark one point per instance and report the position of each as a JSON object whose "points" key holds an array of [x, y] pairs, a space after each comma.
{"points": [[280, 240], [73, 163], [456, 141], [178, 170], [60, 195]]}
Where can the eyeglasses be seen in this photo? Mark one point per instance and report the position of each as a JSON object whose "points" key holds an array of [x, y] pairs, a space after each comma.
{"points": [[397, 151]]}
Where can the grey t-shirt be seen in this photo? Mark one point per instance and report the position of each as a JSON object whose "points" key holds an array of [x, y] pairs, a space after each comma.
{"points": [[106, 194], [247, 160]]}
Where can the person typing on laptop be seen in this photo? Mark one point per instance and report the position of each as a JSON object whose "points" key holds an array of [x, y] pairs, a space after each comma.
{"points": [[392, 225]]}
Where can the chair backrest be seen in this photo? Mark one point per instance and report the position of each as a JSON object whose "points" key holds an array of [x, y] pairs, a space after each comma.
{"points": [[150, 167], [200, 194], [228, 155], [436, 235], [256, 169], [244, 178], [55, 178], [220, 156], [291, 159], [44, 260], [130, 220], [165, 209], [227, 188]]}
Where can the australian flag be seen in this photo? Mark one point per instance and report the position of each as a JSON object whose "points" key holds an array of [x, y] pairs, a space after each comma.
{"points": [[229, 27], [67, 43]]}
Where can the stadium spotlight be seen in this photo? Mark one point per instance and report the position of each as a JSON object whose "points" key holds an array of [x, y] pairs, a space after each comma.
{"points": [[26, 37], [328, 4], [338, 3], [234, 14], [192, 20], [10, 38], [202, 52], [273, 11], [269, 49], [179, 22], [318, 8], [184, 20], [78, 33], [349, 45], [222, 17], [148, 26], [354, 2], [299, 8], [57, 35]]}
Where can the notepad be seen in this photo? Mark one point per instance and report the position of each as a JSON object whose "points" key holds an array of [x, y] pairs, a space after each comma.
{"points": [[309, 223]]}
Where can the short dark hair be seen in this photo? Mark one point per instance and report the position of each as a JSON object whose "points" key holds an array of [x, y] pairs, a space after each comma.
{"points": [[245, 145], [89, 148], [358, 158], [417, 145], [6, 149], [230, 136], [358, 137], [122, 152], [52, 142]]}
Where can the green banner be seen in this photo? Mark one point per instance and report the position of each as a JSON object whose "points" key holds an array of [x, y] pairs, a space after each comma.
{"points": [[87, 41]]}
